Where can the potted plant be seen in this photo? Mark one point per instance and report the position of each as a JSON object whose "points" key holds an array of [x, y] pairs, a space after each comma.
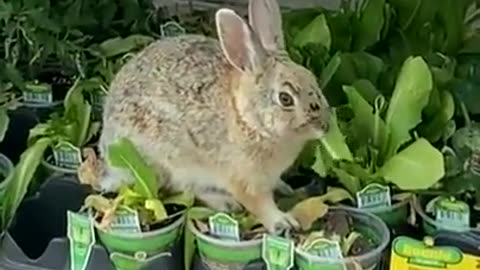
{"points": [[141, 222], [453, 205], [380, 150], [237, 240]]}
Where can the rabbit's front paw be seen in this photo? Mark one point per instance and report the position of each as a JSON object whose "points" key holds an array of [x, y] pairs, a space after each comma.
{"points": [[278, 222]]}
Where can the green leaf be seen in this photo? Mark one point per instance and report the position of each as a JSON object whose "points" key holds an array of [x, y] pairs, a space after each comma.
{"points": [[334, 142], [123, 154], [369, 127], [330, 70], [368, 91], [434, 129], [4, 121], [368, 27], [185, 198], [16, 189], [410, 96], [316, 32], [417, 167], [189, 240], [79, 111], [118, 46]]}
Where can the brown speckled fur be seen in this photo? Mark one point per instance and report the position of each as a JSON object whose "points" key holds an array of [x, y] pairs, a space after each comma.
{"points": [[202, 123]]}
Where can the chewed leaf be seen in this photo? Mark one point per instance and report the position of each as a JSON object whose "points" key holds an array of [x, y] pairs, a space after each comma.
{"points": [[308, 211], [98, 203], [122, 153], [130, 197], [158, 209], [185, 198], [334, 142]]}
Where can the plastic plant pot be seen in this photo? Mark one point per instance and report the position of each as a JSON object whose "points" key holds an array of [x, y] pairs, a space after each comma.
{"points": [[37, 238], [133, 251], [395, 215], [213, 253], [366, 223], [53, 170], [430, 225]]}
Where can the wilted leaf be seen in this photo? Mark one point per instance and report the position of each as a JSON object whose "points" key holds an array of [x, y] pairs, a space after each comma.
{"points": [[158, 209], [419, 166], [409, 97]]}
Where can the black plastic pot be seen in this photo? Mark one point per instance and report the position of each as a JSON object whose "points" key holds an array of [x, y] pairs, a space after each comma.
{"points": [[37, 240]]}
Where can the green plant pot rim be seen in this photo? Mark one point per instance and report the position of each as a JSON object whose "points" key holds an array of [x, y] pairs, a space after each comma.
{"points": [[148, 234], [364, 257], [430, 221], [41, 105], [54, 167], [222, 243]]}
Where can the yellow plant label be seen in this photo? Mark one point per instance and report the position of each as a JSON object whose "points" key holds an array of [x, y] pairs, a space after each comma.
{"points": [[412, 254]]}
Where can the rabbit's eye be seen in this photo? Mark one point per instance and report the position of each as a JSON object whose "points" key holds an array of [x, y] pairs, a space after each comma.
{"points": [[285, 99]]}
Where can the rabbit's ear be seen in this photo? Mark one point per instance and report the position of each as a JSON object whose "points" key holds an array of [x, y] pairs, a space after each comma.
{"points": [[238, 41], [266, 20]]}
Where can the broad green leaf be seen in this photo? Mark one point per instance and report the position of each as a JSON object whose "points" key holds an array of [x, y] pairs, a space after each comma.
{"points": [[369, 127], [158, 209], [316, 32], [334, 142], [417, 167], [409, 97], [79, 111], [4, 121], [189, 238], [16, 189], [123, 154], [368, 27], [368, 91], [117, 46], [349, 179]]}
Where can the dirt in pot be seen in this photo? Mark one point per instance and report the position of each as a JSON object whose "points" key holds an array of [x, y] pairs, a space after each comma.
{"points": [[338, 226]]}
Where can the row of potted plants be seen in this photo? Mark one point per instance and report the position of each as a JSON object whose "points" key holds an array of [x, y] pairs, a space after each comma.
{"points": [[392, 160]]}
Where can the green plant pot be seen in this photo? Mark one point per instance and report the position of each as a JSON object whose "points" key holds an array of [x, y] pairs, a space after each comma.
{"points": [[431, 226], [395, 215], [214, 253], [366, 223], [51, 169], [133, 251]]}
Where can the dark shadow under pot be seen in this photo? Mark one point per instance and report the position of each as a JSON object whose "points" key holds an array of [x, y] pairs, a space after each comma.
{"points": [[37, 240]]}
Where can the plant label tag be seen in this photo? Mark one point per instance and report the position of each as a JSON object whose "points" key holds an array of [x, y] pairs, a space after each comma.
{"points": [[408, 254], [126, 220], [277, 252], [325, 248], [224, 226], [81, 235], [374, 195], [451, 212], [67, 155], [171, 29], [38, 94]]}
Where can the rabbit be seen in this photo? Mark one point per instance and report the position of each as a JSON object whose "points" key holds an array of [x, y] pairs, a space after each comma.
{"points": [[220, 118]]}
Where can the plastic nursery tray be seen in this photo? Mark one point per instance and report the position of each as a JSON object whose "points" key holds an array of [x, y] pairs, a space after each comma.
{"points": [[37, 240]]}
